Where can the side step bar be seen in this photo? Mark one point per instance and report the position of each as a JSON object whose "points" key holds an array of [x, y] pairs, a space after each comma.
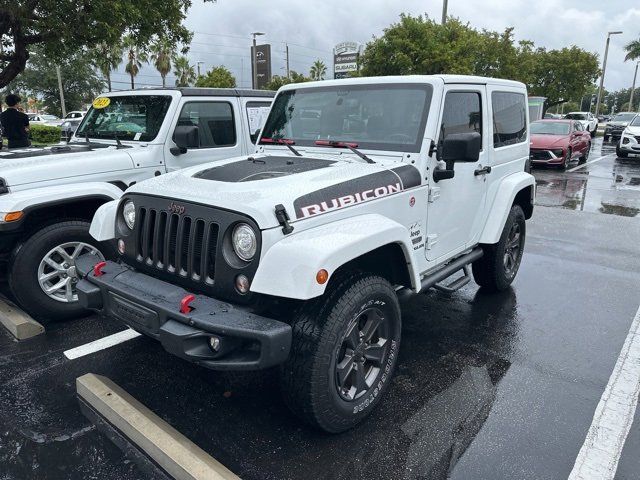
{"points": [[460, 263]]}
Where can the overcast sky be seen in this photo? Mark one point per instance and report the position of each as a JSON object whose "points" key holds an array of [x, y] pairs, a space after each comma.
{"points": [[312, 28]]}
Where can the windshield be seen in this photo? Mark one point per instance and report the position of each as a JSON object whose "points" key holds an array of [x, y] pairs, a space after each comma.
{"points": [[623, 117], [636, 121], [377, 117], [550, 128], [576, 116], [133, 117]]}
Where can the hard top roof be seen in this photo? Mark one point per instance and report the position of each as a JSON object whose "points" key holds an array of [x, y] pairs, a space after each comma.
{"points": [[198, 92]]}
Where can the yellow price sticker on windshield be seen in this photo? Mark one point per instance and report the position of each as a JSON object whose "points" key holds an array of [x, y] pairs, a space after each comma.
{"points": [[101, 102]]}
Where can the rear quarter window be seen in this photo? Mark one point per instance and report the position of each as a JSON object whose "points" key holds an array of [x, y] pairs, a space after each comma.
{"points": [[509, 118]]}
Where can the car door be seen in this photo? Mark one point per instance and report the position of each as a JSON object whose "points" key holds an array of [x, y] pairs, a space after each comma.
{"points": [[576, 139], [456, 205], [219, 131]]}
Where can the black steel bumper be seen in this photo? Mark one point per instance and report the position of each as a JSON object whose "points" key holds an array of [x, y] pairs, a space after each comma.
{"points": [[151, 306]]}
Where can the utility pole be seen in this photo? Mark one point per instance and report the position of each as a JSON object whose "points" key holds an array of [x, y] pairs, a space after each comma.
{"points": [[198, 65], [444, 11], [289, 75], [633, 87], [604, 68], [254, 60], [64, 108]]}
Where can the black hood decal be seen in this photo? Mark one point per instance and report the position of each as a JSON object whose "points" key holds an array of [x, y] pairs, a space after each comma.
{"points": [[262, 168], [29, 152], [359, 190]]}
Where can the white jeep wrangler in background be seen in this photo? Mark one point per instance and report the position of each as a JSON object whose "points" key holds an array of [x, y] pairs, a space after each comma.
{"points": [[360, 191], [48, 196]]}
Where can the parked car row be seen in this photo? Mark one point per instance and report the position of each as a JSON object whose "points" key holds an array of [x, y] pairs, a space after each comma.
{"points": [[241, 248]]}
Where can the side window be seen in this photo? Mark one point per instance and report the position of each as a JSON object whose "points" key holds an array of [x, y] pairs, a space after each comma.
{"points": [[257, 113], [462, 114], [215, 122], [509, 118]]}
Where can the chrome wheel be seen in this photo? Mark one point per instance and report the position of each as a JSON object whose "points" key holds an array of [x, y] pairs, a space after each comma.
{"points": [[512, 251], [57, 274], [363, 352]]}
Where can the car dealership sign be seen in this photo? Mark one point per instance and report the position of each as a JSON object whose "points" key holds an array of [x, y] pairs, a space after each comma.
{"points": [[345, 59]]}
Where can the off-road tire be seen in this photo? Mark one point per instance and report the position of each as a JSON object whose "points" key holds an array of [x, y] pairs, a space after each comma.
{"points": [[24, 263], [309, 376], [489, 271]]}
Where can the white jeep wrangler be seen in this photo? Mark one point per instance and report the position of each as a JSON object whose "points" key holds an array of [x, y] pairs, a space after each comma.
{"points": [[48, 196], [360, 190]]}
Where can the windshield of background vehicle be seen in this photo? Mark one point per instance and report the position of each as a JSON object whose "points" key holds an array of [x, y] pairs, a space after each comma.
{"points": [[549, 128], [575, 116], [134, 117], [636, 121], [623, 117], [376, 117]]}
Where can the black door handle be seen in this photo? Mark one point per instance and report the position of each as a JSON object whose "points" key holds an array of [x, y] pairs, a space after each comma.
{"points": [[482, 171]]}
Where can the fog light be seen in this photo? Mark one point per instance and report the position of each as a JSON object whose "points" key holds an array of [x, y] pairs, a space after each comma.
{"points": [[121, 246], [242, 284], [214, 343], [625, 140]]}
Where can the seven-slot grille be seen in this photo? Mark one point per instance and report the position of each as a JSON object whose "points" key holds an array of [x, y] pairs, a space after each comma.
{"points": [[177, 244]]}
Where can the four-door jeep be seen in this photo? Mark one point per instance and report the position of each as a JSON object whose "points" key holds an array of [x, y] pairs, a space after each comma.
{"points": [[48, 196], [360, 191]]}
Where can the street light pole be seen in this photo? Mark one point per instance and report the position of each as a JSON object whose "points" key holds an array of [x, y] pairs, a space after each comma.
{"points": [[254, 60], [633, 87], [604, 68], [445, 4], [198, 65]]}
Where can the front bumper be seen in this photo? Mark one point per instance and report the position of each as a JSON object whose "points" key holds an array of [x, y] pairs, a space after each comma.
{"points": [[632, 145], [543, 156], [152, 307]]}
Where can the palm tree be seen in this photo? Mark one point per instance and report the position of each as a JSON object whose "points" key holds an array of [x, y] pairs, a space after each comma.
{"points": [[162, 52], [107, 58], [184, 72], [318, 70], [633, 50], [135, 58]]}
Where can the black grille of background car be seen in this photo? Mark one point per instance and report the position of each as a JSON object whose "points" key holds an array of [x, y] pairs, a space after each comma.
{"points": [[178, 244], [539, 155], [187, 244]]}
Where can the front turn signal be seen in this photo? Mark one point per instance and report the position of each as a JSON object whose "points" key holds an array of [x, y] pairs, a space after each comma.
{"points": [[13, 216], [322, 276]]}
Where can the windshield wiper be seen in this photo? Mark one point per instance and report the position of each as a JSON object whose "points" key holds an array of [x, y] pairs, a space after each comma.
{"points": [[350, 146], [282, 141]]}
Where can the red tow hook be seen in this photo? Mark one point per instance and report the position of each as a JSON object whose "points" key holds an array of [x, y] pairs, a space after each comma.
{"points": [[97, 269], [184, 303]]}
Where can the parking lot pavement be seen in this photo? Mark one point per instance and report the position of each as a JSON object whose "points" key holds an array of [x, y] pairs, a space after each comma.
{"points": [[488, 386]]}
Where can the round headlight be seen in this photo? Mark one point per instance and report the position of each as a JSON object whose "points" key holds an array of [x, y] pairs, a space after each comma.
{"points": [[244, 241], [129, 214]]}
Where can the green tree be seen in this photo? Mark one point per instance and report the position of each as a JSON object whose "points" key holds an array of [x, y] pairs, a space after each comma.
{"points": [[106, 58], [184, 72], [63, 27], [217, 77], [136, 56], [162, 51], [633, 50], [277, 81], [39, 81], [318, 70]]}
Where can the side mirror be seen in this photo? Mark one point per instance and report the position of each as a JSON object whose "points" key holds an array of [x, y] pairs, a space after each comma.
{"points": [[185, 137], [255, 135], [461, 147]]}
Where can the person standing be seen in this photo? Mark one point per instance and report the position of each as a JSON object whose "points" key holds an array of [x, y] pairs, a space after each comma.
{"points": [[15, 124]]}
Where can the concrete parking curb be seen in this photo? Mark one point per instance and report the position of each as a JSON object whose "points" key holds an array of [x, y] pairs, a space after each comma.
{"points": [[19, 324], [176, 454]]}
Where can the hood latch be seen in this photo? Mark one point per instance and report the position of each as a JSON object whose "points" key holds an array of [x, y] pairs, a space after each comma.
{"points": [[283, 219]]}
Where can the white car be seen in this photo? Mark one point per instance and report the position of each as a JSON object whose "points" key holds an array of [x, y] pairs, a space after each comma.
{"points": [[587, 119], [630, 141], [48, 196], [360, 191], [75, 114], [44, 119]]}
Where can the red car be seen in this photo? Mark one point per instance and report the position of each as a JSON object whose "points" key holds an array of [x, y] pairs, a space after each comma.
{"points": [[557, 142]]}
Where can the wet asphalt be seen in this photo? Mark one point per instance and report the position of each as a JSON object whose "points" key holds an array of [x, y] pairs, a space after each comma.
{"points": [[489, 386]]}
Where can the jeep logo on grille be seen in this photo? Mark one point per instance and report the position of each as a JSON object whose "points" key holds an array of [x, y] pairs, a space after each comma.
{"points": [[175, 208]]}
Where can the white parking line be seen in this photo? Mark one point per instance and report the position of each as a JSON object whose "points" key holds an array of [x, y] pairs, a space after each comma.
{"points": [[589, 163], [101, 344], [600, 453]]}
